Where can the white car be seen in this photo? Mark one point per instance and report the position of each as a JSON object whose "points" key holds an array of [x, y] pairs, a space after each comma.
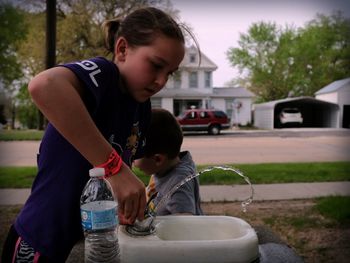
{"points": [[291, 115]]}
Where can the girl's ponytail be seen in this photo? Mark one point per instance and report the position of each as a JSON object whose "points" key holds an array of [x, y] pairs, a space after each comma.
{"points": [[110, 30]]}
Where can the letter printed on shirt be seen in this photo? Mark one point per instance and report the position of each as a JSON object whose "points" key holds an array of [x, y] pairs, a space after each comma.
{"points": [[90, 65]]}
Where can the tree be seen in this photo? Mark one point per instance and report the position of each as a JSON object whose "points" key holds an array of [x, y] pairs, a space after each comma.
{"points": [[79, 34], [263, 59], [2, 108], [31, 52], [26, 111], [12, 30], [322, 53], [279, 62]]}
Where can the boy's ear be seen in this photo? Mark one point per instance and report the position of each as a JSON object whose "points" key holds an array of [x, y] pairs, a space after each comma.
{"points": [[159, 159], [120, 49]]}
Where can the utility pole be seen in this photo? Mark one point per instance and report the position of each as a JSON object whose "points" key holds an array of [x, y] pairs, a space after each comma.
{"points": [[50, 57], [50, 33]]}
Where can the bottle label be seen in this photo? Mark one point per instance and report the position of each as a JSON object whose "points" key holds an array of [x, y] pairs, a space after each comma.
{"points": [[99, 215]]}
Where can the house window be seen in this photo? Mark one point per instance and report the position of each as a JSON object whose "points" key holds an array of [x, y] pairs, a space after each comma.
{"points": [[193, 80], [177, 79], [192, 58], [229, 107], [156, 102], [207, 80]]}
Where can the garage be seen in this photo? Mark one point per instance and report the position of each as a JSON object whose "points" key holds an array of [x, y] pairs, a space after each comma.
{"points": [[338, 92], [315, 113]]}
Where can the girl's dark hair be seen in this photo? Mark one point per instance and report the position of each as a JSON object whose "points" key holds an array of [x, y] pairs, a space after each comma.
{"points": [[164, 135], [141, 27]]}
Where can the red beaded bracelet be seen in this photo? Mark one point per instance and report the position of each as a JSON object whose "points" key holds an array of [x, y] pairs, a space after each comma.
{"points": [[113, 164]]}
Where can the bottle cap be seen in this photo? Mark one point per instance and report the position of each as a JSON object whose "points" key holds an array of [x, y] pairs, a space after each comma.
{"points": [[97, 172]]}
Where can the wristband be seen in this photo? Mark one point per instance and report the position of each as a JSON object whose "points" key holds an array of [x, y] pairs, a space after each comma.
{"points": [[113, 164]]}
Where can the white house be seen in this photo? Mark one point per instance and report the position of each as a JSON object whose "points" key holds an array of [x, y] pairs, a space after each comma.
{"points": [[338, 92], [192, 86]]}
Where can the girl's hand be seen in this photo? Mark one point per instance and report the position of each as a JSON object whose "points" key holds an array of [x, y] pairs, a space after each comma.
{"points": [[130, 193]]}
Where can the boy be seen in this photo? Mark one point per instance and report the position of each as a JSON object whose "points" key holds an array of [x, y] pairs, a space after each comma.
{"points": [[168, 167]]}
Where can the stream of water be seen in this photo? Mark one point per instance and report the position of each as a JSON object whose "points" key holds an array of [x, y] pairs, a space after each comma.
{"points": [[146, 226], [234, 171]]}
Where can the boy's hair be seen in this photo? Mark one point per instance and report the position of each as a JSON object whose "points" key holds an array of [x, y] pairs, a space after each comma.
{"points": [[141, 27], [164, 135]]}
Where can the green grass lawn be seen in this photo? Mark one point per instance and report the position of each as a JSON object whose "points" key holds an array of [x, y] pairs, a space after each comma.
{"points": [[281, 173], [22, 177], [21, 135], [335, 207]]}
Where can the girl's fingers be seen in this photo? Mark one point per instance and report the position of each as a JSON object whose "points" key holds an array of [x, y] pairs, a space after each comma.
{"points": [[122, 219], [128, 208], [142, 205]]}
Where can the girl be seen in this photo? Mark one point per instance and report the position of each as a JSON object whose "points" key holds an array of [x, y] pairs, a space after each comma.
{"points": [[98, 111]]}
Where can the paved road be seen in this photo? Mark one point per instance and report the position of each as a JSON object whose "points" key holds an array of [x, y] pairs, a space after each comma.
{"points": [[247, 147], [307, 145], [223, 150]]}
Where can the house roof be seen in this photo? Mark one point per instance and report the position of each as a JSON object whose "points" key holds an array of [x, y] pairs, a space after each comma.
{"points": [[206, 63], [272, 104], [232, 92], [238, 92], [334, 86], [180, 93]]}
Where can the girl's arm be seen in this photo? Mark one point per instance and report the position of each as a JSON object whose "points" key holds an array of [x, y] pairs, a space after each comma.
{"points": [[57, 93]]}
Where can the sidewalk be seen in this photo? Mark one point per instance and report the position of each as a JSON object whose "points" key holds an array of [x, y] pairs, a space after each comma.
{"points": [[217, 193], [270, 192]]}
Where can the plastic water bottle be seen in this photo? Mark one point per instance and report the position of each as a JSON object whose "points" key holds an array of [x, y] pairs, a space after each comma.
{"points": [[99, 220]]}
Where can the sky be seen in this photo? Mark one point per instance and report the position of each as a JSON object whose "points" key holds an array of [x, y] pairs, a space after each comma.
{"points": [[217, 24]]}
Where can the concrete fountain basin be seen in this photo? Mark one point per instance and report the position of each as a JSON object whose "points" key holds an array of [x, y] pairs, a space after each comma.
{"points": [[192, 239]]}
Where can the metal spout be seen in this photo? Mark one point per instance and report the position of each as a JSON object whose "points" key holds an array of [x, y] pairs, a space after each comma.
{"points": [[145, 227], [142, 228]]}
